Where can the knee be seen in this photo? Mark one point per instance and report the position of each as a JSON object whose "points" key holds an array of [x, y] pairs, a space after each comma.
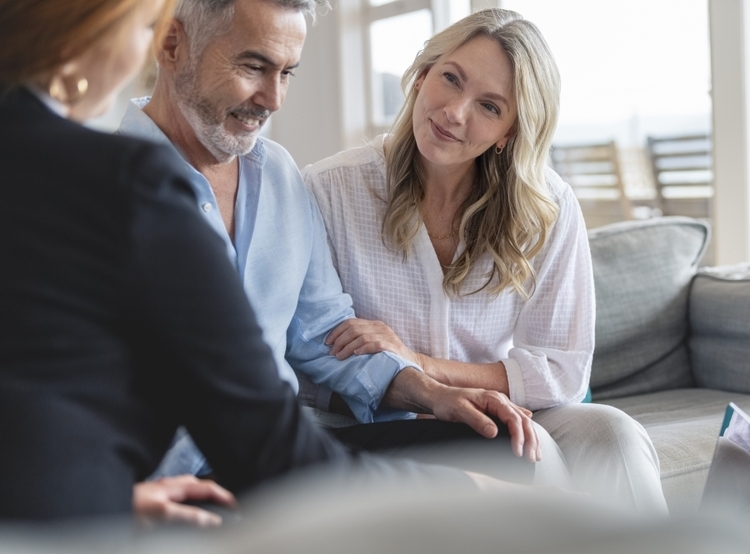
{"points": [[612, 429]]}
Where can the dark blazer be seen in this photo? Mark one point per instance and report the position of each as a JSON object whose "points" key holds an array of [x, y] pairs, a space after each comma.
{"points": [[121, 318]]}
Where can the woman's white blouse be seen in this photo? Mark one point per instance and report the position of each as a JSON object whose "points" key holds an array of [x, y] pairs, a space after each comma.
{"points": [[546, 342]]}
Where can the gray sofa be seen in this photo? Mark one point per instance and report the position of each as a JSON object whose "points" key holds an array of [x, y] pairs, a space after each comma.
{"points": [[672, 342]]}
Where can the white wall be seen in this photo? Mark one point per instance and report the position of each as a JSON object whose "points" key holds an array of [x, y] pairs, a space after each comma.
{"points": [[730, 56], [324, 109]]}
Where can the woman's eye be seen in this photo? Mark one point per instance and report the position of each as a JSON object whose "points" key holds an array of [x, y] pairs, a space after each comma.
{"points": [[450, 77], [491, 108]]}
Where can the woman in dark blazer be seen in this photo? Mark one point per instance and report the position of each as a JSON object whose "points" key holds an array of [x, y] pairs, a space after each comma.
{"points": [[121, 315]]}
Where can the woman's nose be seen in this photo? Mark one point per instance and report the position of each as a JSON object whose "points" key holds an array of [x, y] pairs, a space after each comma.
{"points": [[456, 110]]}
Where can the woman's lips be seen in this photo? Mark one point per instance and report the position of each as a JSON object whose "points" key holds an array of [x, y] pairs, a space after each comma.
{"points": [[442, 133]]}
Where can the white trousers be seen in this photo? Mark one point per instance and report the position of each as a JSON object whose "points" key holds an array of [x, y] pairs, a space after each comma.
{"points": [[600, 450]]}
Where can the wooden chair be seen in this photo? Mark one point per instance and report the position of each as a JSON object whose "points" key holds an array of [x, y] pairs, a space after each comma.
{"points": [[593, 171], [682, 169]]}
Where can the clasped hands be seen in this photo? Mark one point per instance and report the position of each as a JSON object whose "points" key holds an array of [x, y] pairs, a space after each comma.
{"points": [[419, 392]]}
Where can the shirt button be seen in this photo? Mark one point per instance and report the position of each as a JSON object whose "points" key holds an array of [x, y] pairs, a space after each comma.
{"points": [[207, 207]]}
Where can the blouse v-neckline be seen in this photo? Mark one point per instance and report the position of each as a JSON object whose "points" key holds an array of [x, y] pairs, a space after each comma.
{"points": [[424, 251], [440, 303]]}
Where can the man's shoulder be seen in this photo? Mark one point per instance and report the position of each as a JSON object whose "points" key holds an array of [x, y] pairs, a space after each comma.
{"points": [[281, 178], [273, 155]]}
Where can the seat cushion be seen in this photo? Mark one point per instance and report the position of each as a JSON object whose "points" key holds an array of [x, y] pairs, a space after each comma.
{"points": [[683, 425], [642, 273]]}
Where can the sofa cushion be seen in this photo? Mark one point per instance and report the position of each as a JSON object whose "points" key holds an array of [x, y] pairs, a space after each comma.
{"points": [[719, 341], [683, 425], [642, 272]]}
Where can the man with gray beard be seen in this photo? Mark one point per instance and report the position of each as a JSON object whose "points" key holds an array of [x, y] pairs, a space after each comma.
{"points": [[224, 68]]}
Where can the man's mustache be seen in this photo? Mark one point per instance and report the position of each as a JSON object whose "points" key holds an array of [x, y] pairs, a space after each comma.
{"points": [[252, 113]]}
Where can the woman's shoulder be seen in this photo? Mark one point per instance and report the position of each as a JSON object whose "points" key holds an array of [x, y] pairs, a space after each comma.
{"points": [[85, 157], [123, 157], [561, 193], [145, 165], [349, 167], [556, 187]]}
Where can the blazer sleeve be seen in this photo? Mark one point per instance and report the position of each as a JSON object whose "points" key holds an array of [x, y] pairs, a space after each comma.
{"points": [[209, 368]]}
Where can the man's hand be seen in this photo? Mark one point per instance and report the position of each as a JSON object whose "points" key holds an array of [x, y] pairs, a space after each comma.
{"points": [[415, 391], [162, 500], [362, 336]]}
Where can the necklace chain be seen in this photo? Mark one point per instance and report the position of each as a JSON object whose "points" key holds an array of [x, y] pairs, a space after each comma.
{"points": [[441, 237]]}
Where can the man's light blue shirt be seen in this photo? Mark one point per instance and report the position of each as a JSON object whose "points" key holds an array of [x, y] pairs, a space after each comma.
{"points": [[282, 256]]}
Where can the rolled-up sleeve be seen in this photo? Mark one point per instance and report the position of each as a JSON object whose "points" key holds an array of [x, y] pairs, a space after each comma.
{"points": [[553, 340]]}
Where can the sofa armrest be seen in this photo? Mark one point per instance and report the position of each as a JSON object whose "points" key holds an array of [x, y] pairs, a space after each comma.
{"points": [[719, 323]]}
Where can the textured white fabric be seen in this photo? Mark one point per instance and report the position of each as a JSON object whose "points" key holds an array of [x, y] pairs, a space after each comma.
{"points": [[608, 455], [546, 342]]}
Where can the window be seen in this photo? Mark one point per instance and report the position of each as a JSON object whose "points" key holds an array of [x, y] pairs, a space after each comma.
{"points": [[395, 31], [635, 74]]}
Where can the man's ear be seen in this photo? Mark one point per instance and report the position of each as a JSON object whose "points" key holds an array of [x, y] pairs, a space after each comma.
{"points": [[174, 49]]}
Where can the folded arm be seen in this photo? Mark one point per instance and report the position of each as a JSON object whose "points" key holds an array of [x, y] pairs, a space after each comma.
{"points": [[362, 336], [322, 305]]}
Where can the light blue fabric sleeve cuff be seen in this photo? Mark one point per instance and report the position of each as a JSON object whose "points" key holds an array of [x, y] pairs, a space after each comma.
{"points": [[374, 413], [183, 457]]}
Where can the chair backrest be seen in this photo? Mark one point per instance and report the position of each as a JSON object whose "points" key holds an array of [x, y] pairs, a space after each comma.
{"points": [[682, 169], [594, 173]]}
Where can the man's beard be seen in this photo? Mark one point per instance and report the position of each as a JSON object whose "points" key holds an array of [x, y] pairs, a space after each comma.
{"points": [[205, 120]]}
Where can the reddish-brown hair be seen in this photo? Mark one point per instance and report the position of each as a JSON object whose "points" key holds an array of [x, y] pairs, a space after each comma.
{"points": [[38, 36]]}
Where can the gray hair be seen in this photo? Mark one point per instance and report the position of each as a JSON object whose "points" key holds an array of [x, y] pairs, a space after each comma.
{"points": [[204, 20]]}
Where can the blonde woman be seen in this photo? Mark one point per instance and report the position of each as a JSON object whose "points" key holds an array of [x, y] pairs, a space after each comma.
{"points": [[466, 254]]}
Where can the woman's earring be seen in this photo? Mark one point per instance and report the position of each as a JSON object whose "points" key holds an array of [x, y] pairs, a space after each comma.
{"points": [[56, 91], [82, 87], [499, 149]]}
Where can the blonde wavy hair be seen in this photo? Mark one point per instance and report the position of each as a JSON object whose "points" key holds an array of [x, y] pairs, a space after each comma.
{"points": [[508, 213]]}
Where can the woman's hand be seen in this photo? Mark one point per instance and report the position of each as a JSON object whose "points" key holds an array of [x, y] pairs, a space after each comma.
{"points": [[362, 336], [414, 391], [163, 500], [473, 406]]}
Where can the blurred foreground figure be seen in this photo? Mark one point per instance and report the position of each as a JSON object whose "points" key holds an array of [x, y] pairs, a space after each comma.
{"points": [[121, 316], [325, 513]]}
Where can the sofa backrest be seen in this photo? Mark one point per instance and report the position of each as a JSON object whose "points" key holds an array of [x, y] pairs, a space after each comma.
{"points": [[642, 273], [719, 340]]}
